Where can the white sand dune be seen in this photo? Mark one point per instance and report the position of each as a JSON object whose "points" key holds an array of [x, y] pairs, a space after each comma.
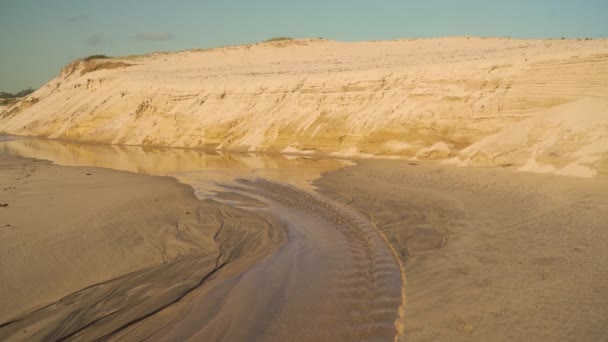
{"points": [[537, 104]]}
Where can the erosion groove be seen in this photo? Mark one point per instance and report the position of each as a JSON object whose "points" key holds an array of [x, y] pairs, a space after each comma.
{"points": [[103, 310], [334, 279]]}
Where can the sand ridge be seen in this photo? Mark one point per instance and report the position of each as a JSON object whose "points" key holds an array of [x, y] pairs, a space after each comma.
{"points": [[535, 104]]}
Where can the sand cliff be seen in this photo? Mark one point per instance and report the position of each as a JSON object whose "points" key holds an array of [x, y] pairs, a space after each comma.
{"points": [[538, 105]]}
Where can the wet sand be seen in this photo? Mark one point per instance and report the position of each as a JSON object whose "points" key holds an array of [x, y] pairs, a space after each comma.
{"points": [[69, 228], [257, 259], [86, 252], [333, 280], [489, 254]]}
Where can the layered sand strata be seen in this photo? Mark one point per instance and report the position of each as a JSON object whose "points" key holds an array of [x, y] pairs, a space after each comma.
{"points": [[536, 104]]}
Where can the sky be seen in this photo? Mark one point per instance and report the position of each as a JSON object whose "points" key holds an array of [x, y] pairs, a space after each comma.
{"points": [[39, 37]]}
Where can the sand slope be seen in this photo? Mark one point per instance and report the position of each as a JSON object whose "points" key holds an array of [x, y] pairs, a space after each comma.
{"points": [[490, 255], [536, 104]]}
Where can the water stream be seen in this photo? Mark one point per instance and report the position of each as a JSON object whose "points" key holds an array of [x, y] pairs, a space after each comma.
{"points": [[333, 279]]}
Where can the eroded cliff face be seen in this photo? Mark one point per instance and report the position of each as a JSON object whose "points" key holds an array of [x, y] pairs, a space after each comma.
{"points": [[541, 105]]}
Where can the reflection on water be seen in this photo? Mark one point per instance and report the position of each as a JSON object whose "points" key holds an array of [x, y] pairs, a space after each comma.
{"points": [[200, 169], [7, 137], [302, 268]]}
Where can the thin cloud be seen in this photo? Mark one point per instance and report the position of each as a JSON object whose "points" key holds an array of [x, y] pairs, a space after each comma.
{"points": [[94, 40], [153, 36], [77, 18]]}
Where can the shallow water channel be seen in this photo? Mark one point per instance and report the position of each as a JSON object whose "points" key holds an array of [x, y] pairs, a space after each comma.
{"points": [[334, 278]]}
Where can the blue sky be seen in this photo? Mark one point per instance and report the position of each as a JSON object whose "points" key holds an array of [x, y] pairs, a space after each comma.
{"points": [[38, 37]]}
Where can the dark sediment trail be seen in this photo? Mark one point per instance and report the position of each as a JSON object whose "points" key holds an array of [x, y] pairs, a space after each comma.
{"points": [[334, 279]]}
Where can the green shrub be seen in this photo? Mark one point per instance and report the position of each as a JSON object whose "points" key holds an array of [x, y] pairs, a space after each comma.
{"points": [[92, 57], [277, 39], [6, 102]]}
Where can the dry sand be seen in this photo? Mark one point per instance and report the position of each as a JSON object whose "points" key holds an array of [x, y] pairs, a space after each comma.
{"points": [[538, 104], [489, 255]]}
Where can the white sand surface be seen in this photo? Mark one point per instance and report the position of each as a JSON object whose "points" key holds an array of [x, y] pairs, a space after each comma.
{"points": [[536, 104]]}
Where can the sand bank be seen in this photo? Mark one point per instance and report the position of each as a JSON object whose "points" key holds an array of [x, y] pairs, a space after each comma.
{"points": [[535, 103], [489, 254]]}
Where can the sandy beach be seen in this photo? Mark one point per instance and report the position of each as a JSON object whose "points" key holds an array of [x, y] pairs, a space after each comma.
{"points": [[448, 189], [482, 253]]}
